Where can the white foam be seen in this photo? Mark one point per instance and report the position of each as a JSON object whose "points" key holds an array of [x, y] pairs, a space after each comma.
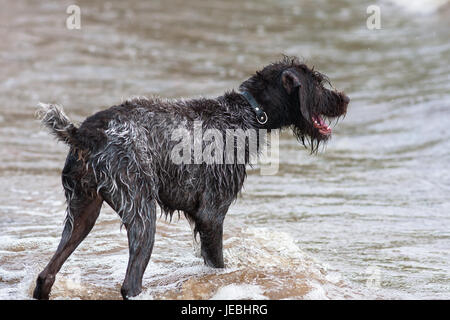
{"points": [[6, 275], [11, 244], [25, 278], [318, 292], [239, 292], [263, 247], [274, 253], [261, 263]]}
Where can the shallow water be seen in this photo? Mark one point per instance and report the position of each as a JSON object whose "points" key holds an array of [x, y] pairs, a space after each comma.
{"points": [[368, 217]]}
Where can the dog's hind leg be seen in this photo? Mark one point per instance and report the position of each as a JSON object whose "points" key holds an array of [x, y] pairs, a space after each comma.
{"points": [[137, 210], [84, 215], [83, 208], [141, 236]]}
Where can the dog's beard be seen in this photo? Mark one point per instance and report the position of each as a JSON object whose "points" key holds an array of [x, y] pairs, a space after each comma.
{"points": [[310, 138]]}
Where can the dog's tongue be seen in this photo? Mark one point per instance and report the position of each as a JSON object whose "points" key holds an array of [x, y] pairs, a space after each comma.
{"points": [[321, 125]]}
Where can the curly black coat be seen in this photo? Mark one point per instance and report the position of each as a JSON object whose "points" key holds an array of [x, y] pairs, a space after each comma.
{"points": [[123, 156]]}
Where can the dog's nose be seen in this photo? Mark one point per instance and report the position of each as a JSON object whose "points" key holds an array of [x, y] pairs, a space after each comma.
{"points": [[345, 98]]}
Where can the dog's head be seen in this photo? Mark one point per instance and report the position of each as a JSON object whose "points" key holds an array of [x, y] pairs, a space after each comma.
{"points": [[294, 95]]}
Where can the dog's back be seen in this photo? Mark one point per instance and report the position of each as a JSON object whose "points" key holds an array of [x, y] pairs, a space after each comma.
{"points": [[125, 154]]}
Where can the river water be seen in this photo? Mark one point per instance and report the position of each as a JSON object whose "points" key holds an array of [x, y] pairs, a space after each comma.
{"points": [[367, 217]]}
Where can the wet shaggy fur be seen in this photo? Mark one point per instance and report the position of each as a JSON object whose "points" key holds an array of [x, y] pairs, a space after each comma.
{"points": [[122, 156]]}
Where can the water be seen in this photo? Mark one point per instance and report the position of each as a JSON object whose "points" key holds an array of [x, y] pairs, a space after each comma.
{"points": [[366, 218]]}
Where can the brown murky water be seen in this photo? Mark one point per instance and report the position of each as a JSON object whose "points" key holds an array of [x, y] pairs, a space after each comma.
{"points": [[366, 218]]}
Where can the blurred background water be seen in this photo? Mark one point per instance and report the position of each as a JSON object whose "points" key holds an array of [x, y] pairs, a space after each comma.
{"points": [[368, 217]]}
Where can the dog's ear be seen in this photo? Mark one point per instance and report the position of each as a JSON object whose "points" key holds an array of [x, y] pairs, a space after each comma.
{"points": [[290, 81]]}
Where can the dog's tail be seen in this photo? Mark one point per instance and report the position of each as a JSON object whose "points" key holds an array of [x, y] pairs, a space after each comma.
{"points": [[53, 117]]}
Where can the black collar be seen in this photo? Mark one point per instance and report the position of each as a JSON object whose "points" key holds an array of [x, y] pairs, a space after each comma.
{"points": [[261, 116]]}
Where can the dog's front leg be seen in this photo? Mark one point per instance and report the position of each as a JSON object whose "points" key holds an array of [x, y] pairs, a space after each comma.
{"points": [[209, 225], [211, 245]]}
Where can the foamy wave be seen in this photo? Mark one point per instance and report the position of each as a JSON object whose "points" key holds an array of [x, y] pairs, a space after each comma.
{"points": [[239, 292], [11, 244], [288, 271], [262, 247], [9, 276], [260, 264], [20, 283]]}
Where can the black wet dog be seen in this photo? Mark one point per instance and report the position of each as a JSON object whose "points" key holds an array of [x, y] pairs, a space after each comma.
{"points": [[124, 156]]}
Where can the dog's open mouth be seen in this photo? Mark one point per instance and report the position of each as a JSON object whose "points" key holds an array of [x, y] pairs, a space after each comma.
{"points": [[320, 124]]}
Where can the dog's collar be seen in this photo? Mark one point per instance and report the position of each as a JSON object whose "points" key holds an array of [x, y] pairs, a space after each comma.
{"points": [[261, 116]]}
